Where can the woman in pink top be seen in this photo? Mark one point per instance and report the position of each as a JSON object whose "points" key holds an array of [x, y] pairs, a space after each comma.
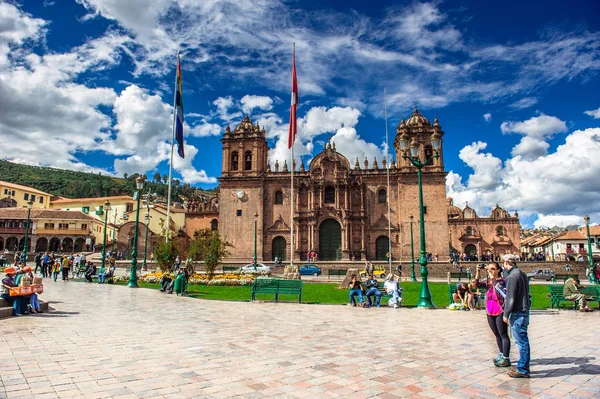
{"points": [[494, 300]]}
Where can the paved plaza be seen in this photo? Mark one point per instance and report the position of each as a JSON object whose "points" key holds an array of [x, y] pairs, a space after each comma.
{"points": [[112, 341]]}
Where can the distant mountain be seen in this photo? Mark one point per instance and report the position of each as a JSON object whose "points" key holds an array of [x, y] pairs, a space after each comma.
{"points": [[72, 184]]}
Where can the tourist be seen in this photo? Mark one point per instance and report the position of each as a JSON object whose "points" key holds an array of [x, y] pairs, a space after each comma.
{"points": [[373, 291], [494, 300], [516, 313], [77, 263], [356, 289], [152, 257], [56, 269], [103, 277], [463, 296], [38, 262], [369, 268], [8, 282], [572, 292], [65, 268], [34, 302], [391, 287], [45, 266], [166, 280], [178, 263], [90, 272]]}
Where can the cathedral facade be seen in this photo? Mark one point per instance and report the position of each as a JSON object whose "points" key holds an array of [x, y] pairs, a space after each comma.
{"points": [[340, 205]]}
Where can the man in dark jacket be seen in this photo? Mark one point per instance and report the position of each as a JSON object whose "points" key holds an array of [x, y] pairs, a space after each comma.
{"points": [[516, 313]]}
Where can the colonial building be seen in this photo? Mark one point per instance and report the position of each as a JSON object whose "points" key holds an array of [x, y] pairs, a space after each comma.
{"points": [[473, 235], [340, 207], [49, 230], [15, 195]]}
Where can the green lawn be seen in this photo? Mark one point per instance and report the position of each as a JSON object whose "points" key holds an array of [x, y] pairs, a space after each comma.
{"points": [[330, 294]]}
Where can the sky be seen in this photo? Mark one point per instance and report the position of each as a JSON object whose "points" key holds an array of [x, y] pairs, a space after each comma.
{"points": [[88, 85]]}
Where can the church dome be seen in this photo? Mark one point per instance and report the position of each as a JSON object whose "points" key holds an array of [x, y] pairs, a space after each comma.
{"points": [[453, 211], [416, 118]]}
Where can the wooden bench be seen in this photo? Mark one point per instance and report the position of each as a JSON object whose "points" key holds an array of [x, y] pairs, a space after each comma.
{"points": [[336, 272], [557, 296], [276, 287], [460, 275], [564, 277], [452, 291], [380, 287]]}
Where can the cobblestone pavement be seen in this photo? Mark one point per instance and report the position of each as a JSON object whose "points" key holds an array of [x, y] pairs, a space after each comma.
{"points": [[112, 341]]}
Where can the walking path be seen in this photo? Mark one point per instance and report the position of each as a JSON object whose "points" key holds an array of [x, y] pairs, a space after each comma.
{"points": [[113, 341]]}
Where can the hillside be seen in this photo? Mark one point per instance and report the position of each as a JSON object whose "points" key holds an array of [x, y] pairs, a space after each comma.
{"points": [[73, 184]]}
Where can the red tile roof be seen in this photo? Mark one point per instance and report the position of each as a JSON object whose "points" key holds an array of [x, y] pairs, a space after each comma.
{"points": [[36, 213], [24, 188], [103, 199], [571, 235]]}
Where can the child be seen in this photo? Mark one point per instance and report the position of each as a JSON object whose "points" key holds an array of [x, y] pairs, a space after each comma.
{"points": [[56, 269]]}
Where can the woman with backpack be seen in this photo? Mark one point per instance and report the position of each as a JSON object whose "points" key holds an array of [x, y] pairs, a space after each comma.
{"points": [[494, 301]]}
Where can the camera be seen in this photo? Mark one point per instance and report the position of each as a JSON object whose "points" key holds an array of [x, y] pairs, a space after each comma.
{"points": [[481, 266]]}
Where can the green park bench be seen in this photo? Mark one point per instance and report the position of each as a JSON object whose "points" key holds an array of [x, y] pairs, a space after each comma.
{"points": [[276, 287], [556, 295], [460, 275], [380, 287], [336, 272], [3, 262], [564, 277]]}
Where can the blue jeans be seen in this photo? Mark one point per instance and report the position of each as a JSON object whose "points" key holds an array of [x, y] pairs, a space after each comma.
{"points": [[519, 321], [354, 293], [374, 292]]}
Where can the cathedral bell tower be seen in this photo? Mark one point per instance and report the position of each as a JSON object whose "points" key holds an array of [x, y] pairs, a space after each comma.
{"points": [[419, 132], [245, 150]]}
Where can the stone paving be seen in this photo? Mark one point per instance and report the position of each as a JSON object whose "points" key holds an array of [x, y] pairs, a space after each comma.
{"points": [[113, 341]]}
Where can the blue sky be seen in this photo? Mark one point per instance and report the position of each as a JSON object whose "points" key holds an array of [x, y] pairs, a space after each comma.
{"points": [[88, 85]]}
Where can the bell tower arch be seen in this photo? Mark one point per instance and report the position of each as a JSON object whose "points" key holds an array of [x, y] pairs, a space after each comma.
{"points": [[245, 150]]}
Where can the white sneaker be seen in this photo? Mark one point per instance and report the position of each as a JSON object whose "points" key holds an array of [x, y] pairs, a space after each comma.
{"points": [[396, 306]]}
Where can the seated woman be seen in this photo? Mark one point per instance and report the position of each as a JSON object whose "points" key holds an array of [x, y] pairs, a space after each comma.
{"points": [[166, 279], [90, 271], [391, 287], [356, 289], [463, 295], [8, 281]]}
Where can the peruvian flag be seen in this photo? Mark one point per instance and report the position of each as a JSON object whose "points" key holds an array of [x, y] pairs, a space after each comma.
{"points": [[294, 105]]}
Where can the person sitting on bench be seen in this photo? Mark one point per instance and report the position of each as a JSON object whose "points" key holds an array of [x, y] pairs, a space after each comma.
{"points": [[90, 271], [572, 293], [356, 290], [463, 295], [391, 287], [166, 279], [373, 291], [102, 278]]}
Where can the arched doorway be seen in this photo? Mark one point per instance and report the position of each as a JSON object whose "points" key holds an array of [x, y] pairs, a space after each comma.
{"points": [[330, 240], [278, 248], [41, 245], [382, 246], [471, 251], [79, 244], [54, 244], [11, 243], [67, 245]]}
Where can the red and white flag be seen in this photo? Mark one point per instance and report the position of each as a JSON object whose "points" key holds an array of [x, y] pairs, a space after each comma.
{"points": [[294, 104]]}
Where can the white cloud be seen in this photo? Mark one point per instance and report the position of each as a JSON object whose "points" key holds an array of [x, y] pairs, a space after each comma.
{"points": [[223, 105], [15, 28], [250, 102], [487, 117], [530, 148], [524, 103], [594, 113], [536, 127], [556, 183], [558, 220]]}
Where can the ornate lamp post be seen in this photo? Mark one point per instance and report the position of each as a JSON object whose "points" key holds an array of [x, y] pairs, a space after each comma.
{"points": [[436, 143], [592, 277], [106, 210], [552, 243], [412, 251], [114, 237], [147, 220], [139, 182], [255, 221], [29, 205]]}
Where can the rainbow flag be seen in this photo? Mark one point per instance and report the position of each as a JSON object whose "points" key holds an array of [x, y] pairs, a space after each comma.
{"points": [[179, 111]]}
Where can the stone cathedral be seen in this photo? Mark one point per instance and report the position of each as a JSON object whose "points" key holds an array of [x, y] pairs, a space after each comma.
{"points": [[340, 205]]}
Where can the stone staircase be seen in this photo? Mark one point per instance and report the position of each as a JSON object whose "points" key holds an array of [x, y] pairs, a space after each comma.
{"points": [[6, 309]]}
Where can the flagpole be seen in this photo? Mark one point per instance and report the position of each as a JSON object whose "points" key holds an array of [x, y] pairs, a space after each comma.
{"points": [[168, 222], [387, 149], [292, 179]]}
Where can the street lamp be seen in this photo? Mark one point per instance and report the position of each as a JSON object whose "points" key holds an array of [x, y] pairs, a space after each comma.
{"points": [[106, 210], [592, 276], [29, 205], [139, 183], [412, 251], [147, 220], [436, 143], [552, 243], [114, 237], [255, 221]]}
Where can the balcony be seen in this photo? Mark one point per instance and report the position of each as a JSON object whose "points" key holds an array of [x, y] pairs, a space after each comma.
{"points": [[13, 230], [56, 231]]}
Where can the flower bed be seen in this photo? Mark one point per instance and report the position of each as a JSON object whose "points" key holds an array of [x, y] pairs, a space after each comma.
{"points": [[200, 279]]}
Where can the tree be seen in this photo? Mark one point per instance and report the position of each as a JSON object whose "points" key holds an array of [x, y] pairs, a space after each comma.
{"points": [[157, 177], [176, 182], [165, 178], [208, 246], [125, 176], [165, 253]]}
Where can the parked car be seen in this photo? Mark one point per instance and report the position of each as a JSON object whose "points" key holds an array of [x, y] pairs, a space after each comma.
{"points": [[378, 271], [541, 274], [308, 270], [260, 268]]}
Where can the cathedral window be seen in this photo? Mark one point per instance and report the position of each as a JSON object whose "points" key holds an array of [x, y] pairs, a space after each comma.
{"points": [[234, 161], [499, 231], [214, 224], [469, 214], [469, 231], [278, 197], [329, 195], [248, 160], [381, 196]]}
